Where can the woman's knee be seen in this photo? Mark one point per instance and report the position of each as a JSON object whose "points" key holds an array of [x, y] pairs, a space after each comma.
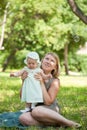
{"points": [[25, 119], [20, 118], [37, 112]]}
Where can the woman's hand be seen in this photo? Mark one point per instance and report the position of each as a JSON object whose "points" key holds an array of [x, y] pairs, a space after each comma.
{"points": [[24, 75], [38, 76]]}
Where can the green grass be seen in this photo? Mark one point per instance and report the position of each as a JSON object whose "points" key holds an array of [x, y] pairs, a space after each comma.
{"points": [[72, 98]]}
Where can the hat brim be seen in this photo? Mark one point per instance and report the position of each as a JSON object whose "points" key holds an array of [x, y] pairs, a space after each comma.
{"points": [[25, 61]]}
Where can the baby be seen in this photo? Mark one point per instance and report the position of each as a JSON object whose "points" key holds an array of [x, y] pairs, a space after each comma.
{"points": [[31, 89]]}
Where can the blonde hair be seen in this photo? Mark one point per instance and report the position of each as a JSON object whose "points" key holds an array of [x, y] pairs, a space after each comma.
{"points": [[55, 72]]}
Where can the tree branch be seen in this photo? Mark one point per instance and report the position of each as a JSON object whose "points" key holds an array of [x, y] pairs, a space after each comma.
{"points": [[77, 11]]}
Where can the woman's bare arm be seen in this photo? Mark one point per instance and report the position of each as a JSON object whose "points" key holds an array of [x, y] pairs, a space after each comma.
{"points": [[50, 95]]}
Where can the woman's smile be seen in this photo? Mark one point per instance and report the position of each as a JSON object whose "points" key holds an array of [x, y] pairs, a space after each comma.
{"points": [[47, 64]]}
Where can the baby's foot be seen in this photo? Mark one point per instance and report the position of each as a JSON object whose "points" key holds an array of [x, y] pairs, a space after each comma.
{"points": [[25, 110]]}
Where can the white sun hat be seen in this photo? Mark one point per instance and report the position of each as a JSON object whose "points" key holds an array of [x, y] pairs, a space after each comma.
{"points": [[33, 55]]}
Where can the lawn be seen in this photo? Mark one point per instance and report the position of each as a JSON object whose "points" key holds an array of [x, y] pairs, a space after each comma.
{"points": [[72, 98]]}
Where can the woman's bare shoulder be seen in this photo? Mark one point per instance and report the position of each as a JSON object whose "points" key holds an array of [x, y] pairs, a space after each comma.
{"points": [[55, 82]]}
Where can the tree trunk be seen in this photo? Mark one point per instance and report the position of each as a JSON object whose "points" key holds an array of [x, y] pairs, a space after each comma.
{"points": [[3, 27], [5, 65], [66, 59]]}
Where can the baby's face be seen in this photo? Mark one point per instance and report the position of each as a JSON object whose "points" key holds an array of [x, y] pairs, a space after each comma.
{"points": [[31, 63]]}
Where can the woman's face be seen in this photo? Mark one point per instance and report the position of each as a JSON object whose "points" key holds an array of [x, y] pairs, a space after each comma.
{"points": [[48, 63]]}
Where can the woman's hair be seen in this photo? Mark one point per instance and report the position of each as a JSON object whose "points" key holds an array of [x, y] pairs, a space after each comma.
{"points": [[55, 72]]}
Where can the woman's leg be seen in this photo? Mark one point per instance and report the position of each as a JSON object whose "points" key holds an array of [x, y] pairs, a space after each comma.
{"points": [[27, 119], [48, 116]]}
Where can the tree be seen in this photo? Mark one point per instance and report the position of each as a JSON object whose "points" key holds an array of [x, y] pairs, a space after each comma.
{"points": [[3, 27], [40, 26]]}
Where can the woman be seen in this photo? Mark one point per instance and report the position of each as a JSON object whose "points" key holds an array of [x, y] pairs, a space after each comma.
{"points": [[48, 112]]}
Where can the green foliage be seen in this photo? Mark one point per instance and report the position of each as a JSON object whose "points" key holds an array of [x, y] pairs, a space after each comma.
{"points": [[19, 59], [78, 63], [82, 60], [43, 23]]}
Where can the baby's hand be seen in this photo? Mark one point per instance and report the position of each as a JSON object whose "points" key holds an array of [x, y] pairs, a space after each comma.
{"points": [[50, 76]]}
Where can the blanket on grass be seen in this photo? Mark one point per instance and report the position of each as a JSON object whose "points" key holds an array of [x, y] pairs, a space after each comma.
{"points": [[11, 119]]}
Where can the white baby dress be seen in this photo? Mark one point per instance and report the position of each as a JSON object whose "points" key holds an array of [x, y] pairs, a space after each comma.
{"points": [[31, 90]]}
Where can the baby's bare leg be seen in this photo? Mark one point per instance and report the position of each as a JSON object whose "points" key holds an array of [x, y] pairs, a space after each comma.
{"points": [[28, 105]]}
